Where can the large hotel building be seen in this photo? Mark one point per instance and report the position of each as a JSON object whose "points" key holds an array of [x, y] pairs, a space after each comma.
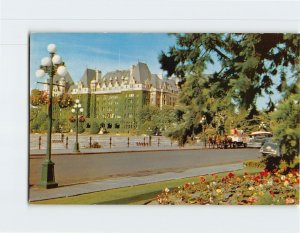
{"points": [[115, 98]]}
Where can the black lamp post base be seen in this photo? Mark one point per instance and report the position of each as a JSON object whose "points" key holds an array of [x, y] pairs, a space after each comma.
{"points": [[76, 147], [48, 178]]}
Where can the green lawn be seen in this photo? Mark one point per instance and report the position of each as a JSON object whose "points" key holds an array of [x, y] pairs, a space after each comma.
{"points": [[135, 195]]}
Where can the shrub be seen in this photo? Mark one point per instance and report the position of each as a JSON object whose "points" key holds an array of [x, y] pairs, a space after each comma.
{"points": [[95, 145], [56, 126], [81, 128], [94, 127], [254, 163]]}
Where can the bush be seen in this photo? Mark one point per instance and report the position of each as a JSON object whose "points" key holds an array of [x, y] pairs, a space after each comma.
{"points": [[254, 163], [56, 127], [81, 128], [95, 145], [94, 127]]}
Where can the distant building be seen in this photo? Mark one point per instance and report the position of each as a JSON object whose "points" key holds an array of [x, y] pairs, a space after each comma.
{"points": [[116, 98]]}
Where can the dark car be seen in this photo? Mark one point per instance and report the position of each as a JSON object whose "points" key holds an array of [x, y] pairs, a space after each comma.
{"points": [[270, 148]]}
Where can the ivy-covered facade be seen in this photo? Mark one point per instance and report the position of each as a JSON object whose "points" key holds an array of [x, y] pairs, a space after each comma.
{"points": [[115, 99]]}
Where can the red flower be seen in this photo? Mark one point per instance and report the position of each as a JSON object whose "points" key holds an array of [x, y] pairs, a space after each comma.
{"points": [[230, 175], [275, 170], [264, 173], [294, 172], [202, 179], [256, 178], [224, 179], [81, 118], [276, 180], [186, 185]]}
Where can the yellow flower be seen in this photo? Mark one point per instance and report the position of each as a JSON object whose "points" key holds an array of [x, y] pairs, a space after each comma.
{"points": [[218, 190], [290, 175], [286, 183], [251, 188]]}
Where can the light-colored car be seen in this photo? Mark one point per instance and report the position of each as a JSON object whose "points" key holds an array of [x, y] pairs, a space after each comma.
{"points": [[270, 149], [257, 139]]}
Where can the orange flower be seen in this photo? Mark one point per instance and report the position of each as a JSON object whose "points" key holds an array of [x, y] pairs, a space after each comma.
{"points": [[252, 199], [289, 200], [186, 185]]}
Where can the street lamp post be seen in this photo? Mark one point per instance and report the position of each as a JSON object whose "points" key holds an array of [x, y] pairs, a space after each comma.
{"points": [[203, 123], [51, 65], [76, 109], [262, 126]]}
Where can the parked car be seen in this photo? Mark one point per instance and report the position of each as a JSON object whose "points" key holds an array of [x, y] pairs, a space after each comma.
{"points": [[270, 149], [257, 139]]}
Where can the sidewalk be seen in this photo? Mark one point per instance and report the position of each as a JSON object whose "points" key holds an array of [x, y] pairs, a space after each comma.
{"points": [[37, 194], [36, 152]]}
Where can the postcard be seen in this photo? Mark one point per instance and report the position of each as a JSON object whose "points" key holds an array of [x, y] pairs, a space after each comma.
{"points": [[164, 118]]}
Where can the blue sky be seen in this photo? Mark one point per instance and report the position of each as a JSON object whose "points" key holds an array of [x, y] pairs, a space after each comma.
{"points": [[104, 51]]}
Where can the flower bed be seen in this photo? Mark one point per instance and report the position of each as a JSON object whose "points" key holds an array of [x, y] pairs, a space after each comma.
{"points": [[264, 188]]}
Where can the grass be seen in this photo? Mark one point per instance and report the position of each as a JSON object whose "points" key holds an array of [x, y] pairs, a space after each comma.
{"points": [[136, 195]]}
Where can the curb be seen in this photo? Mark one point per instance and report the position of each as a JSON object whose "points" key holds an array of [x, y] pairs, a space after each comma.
{"points": [[113, 152]]}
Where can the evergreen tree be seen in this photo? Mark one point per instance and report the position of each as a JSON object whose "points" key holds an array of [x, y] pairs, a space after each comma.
{"points": [[250, 65]]}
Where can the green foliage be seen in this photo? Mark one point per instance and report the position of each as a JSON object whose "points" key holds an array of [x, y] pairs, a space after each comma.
{"points": [[153, 118], [254, 163], [81, 127], [94, 127], [251, 65], [38, 122], [285, 123], [56, 126]]}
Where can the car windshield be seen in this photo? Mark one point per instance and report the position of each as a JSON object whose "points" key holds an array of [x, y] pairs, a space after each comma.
{"points": [[271, 145]]}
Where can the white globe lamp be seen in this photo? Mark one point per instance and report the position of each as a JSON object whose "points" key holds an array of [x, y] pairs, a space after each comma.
{"points": [[40, 73], [56, 59], [46, 61], [62, 71], [51, 48]]}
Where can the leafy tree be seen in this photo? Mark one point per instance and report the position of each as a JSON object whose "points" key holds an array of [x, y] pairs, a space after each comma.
{"points": [[285, 123], [250, 64], [156, 119]]}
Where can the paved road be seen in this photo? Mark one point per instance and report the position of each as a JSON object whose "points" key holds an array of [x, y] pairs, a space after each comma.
{"points": [[71, 169]]}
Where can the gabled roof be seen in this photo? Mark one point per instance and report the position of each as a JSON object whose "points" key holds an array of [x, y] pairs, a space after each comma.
{"points": [[117, 73], [141, 72], [68, 79], [87, 77]]}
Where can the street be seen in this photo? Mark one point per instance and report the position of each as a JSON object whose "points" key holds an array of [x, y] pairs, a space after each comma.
{"points": [[73, 169]]}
